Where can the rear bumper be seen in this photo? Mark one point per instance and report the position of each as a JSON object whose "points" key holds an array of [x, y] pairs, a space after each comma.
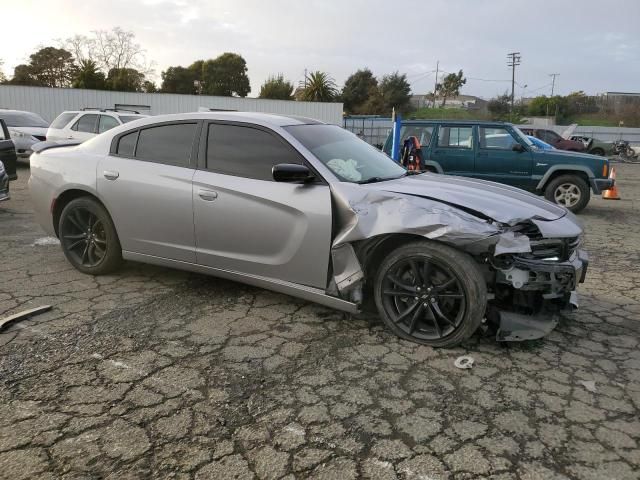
{"points": [[545, 289], [598, 185]]}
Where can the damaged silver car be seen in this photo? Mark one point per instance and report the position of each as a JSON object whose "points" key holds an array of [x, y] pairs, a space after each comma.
{"points": [[310, 210]]}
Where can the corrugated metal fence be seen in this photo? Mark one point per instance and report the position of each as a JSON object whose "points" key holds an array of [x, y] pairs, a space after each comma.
{"points": [[50, 102]]}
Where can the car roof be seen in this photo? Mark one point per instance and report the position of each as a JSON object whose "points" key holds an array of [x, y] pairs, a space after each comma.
{"points": [[265, 119], [107, 112], [454, 122], [8, 110]]}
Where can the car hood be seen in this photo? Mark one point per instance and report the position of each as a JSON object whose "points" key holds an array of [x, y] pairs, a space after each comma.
{"points": [[492, 200], [557, 155]]}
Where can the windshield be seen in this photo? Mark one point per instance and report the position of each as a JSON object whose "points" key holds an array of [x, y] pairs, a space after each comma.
{"points": [[23, 119], [348, 157], [522, 136]]}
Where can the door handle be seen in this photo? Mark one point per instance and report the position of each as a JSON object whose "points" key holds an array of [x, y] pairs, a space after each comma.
{"points": [[208, 195], [70, 137], [110, 174], [483, 154]]}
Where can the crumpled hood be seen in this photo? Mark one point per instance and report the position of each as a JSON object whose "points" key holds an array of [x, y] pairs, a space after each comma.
{"points": [[499, 202]]}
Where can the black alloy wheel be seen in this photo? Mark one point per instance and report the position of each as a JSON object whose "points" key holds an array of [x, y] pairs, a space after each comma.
{"points": [[430, 293], [423, 298], [88, 237], [83, 236]]}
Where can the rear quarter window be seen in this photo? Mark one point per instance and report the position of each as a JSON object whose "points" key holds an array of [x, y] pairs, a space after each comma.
{"points": [[62, 120]]}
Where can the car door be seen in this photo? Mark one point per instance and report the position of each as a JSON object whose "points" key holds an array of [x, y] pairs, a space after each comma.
{"points": [[496, 159], [7, 151], [84, 127], [453, 149], [246, 222], [145, 182]]}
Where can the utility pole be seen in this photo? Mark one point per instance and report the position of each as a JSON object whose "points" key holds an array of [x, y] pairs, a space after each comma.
{"points": [[553, 84], [435, 87], [553, 81], [514, 61], [305, 78]]}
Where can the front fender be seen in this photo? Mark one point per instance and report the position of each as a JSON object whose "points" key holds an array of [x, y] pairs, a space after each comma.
{"points": [[565, 167]]}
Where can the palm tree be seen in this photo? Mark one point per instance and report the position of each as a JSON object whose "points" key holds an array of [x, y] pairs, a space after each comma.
{"points": [[320, 87]]}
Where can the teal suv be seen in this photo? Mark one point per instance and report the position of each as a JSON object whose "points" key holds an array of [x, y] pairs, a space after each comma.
{"points": [[500, 152]]}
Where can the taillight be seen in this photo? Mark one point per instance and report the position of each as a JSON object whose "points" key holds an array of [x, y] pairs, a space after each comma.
{"points": [[605, 169]]}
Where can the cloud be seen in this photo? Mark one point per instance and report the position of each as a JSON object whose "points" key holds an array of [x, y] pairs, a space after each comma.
{"points": [[287, 36]]}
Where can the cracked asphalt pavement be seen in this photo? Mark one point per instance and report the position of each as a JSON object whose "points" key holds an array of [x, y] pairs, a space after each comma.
{"points": [[156, 373]]}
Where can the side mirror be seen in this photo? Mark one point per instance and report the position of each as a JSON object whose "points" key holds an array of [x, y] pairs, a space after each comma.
{"points": [[291, 173], [517, 147]]}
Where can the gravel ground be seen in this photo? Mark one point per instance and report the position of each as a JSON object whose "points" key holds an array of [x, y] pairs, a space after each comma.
{"points": [[155, 373]]}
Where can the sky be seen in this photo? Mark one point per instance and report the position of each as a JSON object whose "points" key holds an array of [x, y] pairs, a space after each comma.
{"points": [[593, 45]]}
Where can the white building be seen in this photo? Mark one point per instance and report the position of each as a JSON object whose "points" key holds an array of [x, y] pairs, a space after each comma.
{"points": [[50, 102]]}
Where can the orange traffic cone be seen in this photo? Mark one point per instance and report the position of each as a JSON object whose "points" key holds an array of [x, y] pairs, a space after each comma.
{"points": [[612, 193]]}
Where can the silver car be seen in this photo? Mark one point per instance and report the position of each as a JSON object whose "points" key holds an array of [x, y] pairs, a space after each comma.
{"points": [[310, 210]]}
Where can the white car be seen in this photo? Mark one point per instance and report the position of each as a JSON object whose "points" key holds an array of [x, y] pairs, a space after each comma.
{"points": [[84, 124], [26, 129]]}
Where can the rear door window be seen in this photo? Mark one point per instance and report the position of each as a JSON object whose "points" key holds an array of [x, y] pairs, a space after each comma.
{"points": [[86, 123], [455, 136], [246, 151], [167, 144], [107, 123]]}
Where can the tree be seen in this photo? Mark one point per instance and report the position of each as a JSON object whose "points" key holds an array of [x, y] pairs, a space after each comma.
{"points": [[48, 67], [22, 75], [178, 80], [395, 92], [357, 90], [500, 106], [320, 88], [450, 86], [88, 76], [2, 76], [277, 88], [125, 80], [555, 106], [149, 87], [226, 75], [116, 48]]}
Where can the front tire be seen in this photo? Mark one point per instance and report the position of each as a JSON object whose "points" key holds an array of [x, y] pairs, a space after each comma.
{"points": [[570, 191], [430, 294], [597, 151], [88, 237]]}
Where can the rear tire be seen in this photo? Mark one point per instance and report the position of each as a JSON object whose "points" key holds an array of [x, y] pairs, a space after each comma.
{"points": [[569, 191], [430, 294], [88, 237]]}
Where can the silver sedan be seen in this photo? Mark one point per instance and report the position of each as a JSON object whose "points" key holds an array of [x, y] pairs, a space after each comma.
{"points": [[310, 210]]}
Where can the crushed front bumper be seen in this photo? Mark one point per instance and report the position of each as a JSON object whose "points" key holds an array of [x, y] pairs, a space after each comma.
{"points": [[531, 293]]}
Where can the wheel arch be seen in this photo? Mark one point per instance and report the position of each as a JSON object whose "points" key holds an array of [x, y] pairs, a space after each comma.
{"points": [[373, 250], [584, 172], [63, 199]]}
